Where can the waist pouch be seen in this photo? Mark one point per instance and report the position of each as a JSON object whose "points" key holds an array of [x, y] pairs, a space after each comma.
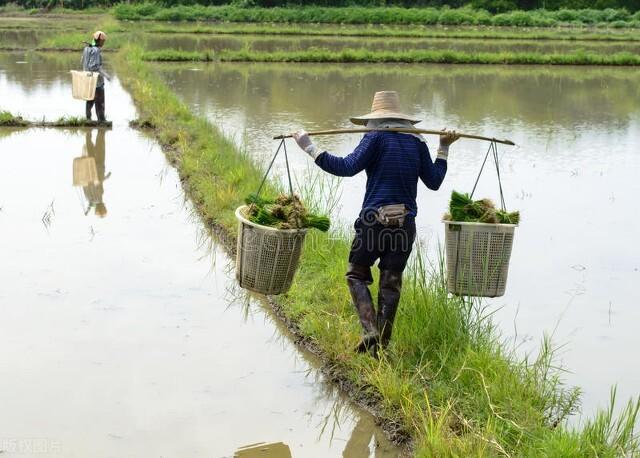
{"points": [[392, 215]]}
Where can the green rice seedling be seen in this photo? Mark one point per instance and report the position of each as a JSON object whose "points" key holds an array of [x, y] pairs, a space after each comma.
{"points": [[284, 212], [464, 209]]}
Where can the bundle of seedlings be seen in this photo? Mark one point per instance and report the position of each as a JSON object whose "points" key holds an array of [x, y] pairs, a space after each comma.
{"points": [[283, 212], [464, 209]]}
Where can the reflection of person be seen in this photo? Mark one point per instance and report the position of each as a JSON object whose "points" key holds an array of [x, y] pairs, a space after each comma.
{"points": [[263, 450], [358, 444], [385, 228], [92, 62], [94, 190]]}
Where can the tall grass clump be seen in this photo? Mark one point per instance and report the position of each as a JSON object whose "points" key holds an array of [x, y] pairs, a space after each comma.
{"points": [[8, 119], [449, 381]]}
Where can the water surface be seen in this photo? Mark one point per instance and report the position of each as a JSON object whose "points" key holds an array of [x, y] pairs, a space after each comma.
{"points": [[123, 332], [262, 43]]}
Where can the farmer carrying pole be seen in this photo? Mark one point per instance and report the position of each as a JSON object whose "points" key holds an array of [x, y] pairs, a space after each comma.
{"points": [[92, 62], [385, 227]]}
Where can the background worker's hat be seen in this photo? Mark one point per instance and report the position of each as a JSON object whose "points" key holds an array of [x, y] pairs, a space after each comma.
{"points": [[99, 35], [386, 105]]}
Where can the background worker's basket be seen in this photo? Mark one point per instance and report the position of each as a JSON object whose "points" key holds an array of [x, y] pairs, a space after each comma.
{"points": [[478, 257], [83, 85], [267, 258]]}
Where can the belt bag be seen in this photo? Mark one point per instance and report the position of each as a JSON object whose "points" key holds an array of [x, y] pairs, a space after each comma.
{"points": [[392, 215]]}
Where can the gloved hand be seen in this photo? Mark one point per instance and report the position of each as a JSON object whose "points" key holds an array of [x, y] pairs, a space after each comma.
{"points": [[446, 139], [304, 142]]}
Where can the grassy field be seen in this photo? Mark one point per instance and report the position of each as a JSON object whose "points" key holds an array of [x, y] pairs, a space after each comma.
{"points": [[381, 15], [448, 381], [412, 56]]}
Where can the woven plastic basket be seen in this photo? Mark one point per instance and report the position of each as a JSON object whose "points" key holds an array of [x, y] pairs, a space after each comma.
{"points": [[478, 257], [83, 85], [267, 258]]}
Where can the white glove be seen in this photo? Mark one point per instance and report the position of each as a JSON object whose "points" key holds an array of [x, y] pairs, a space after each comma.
{"points": [[305, 143], [446, 139]]}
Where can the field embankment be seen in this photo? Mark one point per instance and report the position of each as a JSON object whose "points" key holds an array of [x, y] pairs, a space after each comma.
{"points": [[448, 381], [410, 56]]}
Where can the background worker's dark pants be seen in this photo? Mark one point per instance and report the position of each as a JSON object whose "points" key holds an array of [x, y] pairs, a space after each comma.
{"points": [[392, 246], [98, 101]]}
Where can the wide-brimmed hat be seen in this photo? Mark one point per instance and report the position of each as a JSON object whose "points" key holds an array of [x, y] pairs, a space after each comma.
{"points": [[99, 35], [386, 105]]}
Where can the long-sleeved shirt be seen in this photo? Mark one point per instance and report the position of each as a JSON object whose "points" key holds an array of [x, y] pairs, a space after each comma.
{"points": [[393, 162], [92, 62]]}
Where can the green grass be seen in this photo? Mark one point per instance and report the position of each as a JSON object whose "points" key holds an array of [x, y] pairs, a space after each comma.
{"points": [[411, 56], [485, 33], [8, 119], [448, 380], [373, 15]]}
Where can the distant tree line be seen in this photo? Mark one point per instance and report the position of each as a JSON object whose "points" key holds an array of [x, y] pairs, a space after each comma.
{"points": [[494, 6]]}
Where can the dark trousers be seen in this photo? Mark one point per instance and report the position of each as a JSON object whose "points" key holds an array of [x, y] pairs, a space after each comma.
{"points": [[98, 101], [391, 245]]}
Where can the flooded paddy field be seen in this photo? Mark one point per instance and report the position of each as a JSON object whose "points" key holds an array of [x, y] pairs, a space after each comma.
{"points": [[261, 43], [123, 331], [572, 176]]}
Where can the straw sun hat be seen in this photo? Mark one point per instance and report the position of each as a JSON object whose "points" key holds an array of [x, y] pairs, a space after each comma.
{"points": [[99, 35], [386, 105]]}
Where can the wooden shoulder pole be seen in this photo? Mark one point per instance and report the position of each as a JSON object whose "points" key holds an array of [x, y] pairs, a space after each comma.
{"points": [[398, 129]]}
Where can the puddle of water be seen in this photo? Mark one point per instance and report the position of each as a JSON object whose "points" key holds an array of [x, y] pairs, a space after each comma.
{"points": [[575, 260], [123, 332]]}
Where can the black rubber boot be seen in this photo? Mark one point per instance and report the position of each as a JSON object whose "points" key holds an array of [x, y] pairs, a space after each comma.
{"points": [[99, 100], [388, 299], [359, 279], [87, 109]]}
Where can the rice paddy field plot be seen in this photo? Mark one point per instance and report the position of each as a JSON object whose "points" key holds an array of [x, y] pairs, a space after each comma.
{"points": [[122, 329], [576, 129], [261, 43], [22, 38]]}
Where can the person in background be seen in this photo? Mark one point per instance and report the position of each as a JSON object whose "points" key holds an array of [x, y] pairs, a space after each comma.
{"points": [[92, 62], [385, 227]]}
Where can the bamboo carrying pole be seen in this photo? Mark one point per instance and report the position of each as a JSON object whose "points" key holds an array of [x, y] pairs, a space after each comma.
{"points": [[398, 129]]}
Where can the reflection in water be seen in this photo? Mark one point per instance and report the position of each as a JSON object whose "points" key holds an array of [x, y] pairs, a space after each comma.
{"points": [[89, 173], [263, 450], [358, 445]]}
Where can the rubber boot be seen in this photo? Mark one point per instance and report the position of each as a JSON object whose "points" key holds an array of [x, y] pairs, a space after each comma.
{"points": [[87, 109], [359, 279], [388, 299], [99, 101]]}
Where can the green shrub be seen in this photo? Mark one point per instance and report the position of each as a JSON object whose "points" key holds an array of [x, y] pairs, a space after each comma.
{"points": [[376, 15]]}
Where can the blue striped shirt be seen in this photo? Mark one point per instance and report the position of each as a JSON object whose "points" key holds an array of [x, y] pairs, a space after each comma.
{"points": [[393, 163], [92, 62]]}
